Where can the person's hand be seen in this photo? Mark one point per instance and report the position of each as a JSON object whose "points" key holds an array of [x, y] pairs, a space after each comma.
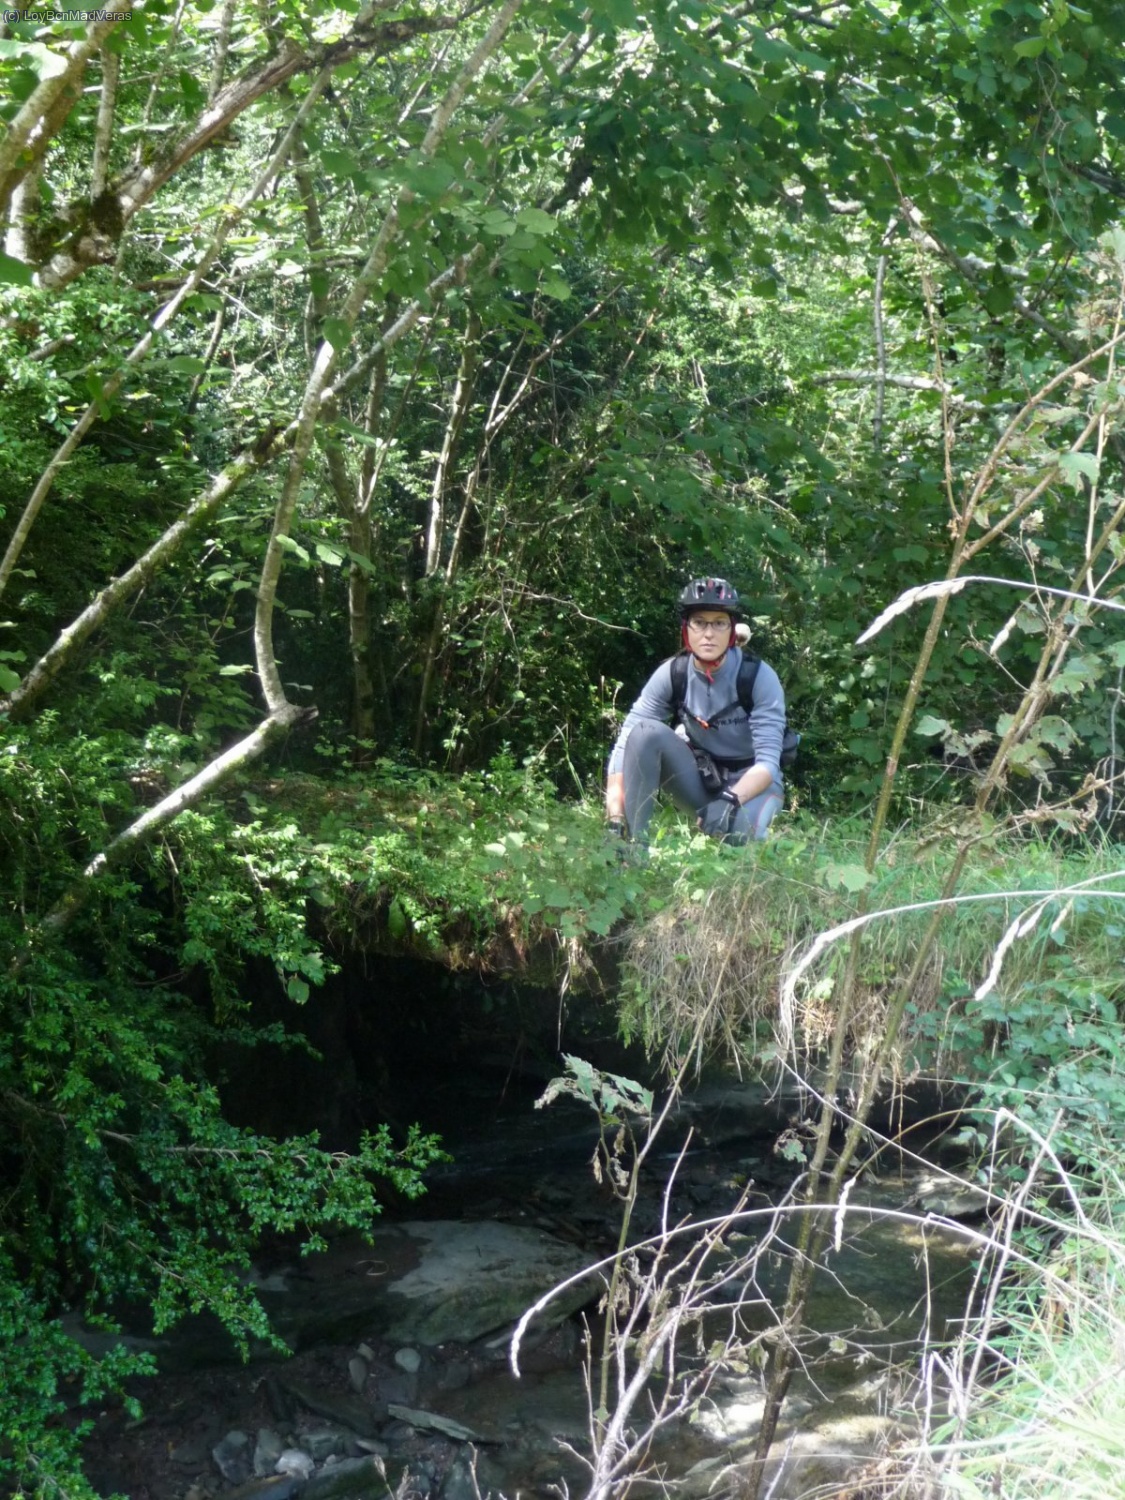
{"points": [[717, 817]]}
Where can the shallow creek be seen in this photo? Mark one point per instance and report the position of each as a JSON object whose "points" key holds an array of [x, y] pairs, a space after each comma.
{"points": [[367, 1402]]}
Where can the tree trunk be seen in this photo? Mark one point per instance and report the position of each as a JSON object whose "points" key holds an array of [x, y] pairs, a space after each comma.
{"points": [[458, 411], [327, 357]]}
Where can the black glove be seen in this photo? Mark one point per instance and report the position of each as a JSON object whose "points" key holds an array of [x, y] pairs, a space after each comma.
{"points": [[717, 817]]}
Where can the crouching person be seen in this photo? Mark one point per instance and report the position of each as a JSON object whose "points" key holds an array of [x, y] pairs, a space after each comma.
{"points": [[725, 763]]}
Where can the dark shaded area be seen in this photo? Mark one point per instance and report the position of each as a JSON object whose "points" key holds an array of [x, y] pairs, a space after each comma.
{"points": [[399, 1041]]}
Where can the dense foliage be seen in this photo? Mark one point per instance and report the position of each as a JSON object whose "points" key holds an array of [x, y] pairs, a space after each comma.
{"points": [[385, 369]]}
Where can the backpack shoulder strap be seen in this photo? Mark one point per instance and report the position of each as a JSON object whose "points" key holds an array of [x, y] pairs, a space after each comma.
{"points": [[747, 675], [678, 666]]}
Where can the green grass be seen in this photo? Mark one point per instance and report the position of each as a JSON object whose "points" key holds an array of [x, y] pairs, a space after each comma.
{"points": [[1044, 1403]]}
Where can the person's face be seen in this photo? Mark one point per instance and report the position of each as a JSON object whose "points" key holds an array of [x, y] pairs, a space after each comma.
{"points": [[708, 633]]}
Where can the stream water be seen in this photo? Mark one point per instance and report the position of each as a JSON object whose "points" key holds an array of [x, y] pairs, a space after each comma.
{"points": [[886, 1285]]}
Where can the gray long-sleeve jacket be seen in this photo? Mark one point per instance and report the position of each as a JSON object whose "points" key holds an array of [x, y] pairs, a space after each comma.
{"points": [[730, 734]]}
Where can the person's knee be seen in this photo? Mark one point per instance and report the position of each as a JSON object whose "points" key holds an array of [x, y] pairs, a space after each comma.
{"points": [[753, 821], [649, 742]]}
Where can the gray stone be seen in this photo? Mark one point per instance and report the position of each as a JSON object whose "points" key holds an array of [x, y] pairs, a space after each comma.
{"points": [[323, 1442], [351, 1476], [373, 1446], [430, 1421], [278, 1487], [234, 1458], [456, 1374], [295, 1462], [428, 1282], [409, 1360], [267, 1450], [401, 1388], [357, 1373], [341, 1411], [459, 1483]]}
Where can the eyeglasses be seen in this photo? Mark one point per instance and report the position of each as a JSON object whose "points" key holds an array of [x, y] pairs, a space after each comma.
{"points": [[708, 627]]}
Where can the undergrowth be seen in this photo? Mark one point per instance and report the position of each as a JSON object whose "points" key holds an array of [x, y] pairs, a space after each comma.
{"points": [[1033, 1395], [492, 870]]}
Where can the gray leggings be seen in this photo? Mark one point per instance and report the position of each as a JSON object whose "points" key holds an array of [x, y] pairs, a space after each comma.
{"points": [[657, 760]]}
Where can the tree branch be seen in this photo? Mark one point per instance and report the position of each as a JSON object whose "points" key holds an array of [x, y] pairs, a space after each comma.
{"points": [[140, 350], [133, 191], [879, 378], [327, 357], [42, 114], [103, 129], [239, 755]]}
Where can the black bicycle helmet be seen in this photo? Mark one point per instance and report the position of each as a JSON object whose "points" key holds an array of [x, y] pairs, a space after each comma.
{"points": [[709, 593]]}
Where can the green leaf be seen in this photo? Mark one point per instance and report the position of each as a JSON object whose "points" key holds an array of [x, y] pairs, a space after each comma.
{"points": [[536, 221], [1031, 46], [297, 990], [97, 393], [998, 299], [852, 877], [14, 272], [769, 50], [397, 921], [9, 680], [330, 555], [337, 333], [1076, 466], [498, 221], [185, 364], [34, 55], [287, 544], [929, 725], [430, 180]]}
